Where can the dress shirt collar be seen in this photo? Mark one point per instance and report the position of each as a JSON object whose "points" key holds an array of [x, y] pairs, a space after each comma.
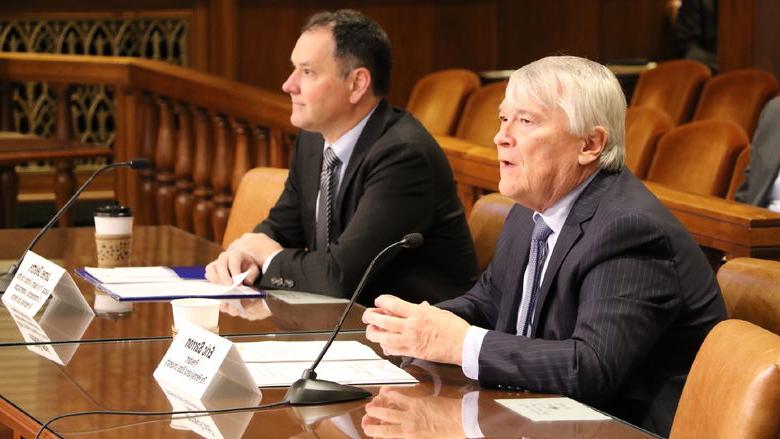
{"points": [[344, 145]]}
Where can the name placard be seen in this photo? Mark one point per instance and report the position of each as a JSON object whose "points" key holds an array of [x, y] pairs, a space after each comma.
{"points": [[36, 280], [201, 364]]}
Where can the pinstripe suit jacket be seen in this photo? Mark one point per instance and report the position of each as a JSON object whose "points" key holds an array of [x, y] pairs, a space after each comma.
{"points": [[625, 302]]}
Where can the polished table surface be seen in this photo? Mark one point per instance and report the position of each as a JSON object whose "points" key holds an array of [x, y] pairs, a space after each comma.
{"points": [[118, 376], [74, 248]]}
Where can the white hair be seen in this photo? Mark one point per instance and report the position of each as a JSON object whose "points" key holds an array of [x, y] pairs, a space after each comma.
{"points": [[589, 94]]}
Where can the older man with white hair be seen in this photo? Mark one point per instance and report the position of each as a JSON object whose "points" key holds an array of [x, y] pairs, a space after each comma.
{"points": [[595, 291]]}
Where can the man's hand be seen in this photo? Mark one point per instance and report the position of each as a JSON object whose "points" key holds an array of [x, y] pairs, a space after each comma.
{"points": [[248, 252], [421, 331], [394, 414]]}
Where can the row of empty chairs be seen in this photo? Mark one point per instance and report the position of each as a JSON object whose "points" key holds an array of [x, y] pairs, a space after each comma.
{"points": [[684, 91], [704, 157]]}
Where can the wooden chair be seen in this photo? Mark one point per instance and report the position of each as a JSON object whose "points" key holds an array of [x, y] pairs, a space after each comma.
{"points": [[256, 195], [738, 176], [733, 388], [673, 88], [437, 99], [698, 157], [479, 122], [644, 126], [738, 96], [486, 222], [751, 289]]}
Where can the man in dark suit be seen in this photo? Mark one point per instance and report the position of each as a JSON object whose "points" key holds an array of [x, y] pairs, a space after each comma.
{"points": [[595, 291], [363, 175], [762, 177]]}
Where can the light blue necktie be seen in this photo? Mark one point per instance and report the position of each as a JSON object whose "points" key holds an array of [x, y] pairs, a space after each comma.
{"points": [[531, 289]]}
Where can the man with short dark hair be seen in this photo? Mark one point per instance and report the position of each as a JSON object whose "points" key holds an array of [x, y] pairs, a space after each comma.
{"points": [[596, 291], [363, 175]]}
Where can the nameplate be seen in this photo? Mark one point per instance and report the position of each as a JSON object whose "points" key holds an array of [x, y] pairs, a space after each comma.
{"points": [[201, 364], [36, 280]]}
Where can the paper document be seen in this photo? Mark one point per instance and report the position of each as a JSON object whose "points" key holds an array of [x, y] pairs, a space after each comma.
{"points": [[286, 351], [343, 372], [303, 298], [132, 274], [552, 409], [280, 363], [120, 289]]}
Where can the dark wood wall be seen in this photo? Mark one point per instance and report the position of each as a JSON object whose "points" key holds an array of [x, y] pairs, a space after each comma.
{"points": [[250, 40]]}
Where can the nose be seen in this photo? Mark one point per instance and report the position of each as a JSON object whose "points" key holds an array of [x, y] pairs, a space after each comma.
{"points": [[290, 86], [502, 139]]}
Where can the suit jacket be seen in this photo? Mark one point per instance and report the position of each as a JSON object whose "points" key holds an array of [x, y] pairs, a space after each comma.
{"points": [[764, 157], [626, 300], [397, 181]]}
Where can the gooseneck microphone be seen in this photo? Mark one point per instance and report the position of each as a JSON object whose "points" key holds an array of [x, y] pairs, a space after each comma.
{"points": [[6, 278], [308, 389]]}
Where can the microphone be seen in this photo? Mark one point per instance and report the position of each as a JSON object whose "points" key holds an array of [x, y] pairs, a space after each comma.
{"points": [[308, 389], [138, 163]]}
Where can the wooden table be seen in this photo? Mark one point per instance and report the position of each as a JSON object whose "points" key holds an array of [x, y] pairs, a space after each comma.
{"points": [[156, 245], [118, 376]]}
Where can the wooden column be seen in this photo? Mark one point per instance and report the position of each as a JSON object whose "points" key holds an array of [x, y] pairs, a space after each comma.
{"points": [[260, 149], [242, 161], [183, 168], [64, 178], [128, 113], [204, 205], [221, 177], [163, 159], [148, 186]]}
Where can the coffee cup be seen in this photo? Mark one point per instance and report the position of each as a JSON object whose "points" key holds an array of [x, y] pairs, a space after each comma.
{"points": [[113, 235], [195, 311]]}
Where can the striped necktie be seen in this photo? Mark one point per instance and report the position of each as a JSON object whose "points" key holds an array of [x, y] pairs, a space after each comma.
{"points": [[531, 289], [328, 182]]}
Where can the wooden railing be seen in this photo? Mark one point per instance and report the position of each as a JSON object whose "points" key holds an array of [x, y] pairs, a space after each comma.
{"points": [[202, 132], [735, 229]]}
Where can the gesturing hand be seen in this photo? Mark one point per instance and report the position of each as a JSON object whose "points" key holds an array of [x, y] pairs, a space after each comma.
{"points": [[421, 331]]}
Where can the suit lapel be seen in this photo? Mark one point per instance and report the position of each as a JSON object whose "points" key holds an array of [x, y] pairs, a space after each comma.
{"points": [[310, 182], [375, 127], [582, 210]]}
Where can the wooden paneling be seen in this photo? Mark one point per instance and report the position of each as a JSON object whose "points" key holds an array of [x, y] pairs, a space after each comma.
{"points": [[748, 35], [425, 36]]}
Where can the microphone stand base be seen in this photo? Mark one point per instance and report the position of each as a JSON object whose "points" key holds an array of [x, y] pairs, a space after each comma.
{"points": [[313, 391]]}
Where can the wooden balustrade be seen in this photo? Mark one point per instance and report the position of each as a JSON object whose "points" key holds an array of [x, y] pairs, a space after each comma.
{"points": [[735, 229], [201, 132]]}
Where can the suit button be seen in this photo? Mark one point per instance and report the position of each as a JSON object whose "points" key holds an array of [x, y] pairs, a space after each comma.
{"points": [[276, 281], [288, 283]]}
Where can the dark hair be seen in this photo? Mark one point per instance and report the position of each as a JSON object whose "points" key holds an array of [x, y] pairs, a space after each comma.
{"points": [[360, 42]]}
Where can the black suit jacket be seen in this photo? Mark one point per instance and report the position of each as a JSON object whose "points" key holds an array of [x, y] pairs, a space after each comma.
{"points": [[764, 157], [397, 181], [625, 302]]}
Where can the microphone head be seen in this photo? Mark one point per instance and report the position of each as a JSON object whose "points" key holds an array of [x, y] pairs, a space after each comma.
{"points": [[412, 240], [140, 163]]}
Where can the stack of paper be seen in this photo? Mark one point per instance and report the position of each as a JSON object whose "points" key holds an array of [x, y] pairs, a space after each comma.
{"points": [[280, 363], [161, 283]]}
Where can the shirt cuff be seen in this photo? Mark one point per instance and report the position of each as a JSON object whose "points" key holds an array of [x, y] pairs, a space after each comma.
{"points": [[268, 260], [472, 344], [470, 414]]}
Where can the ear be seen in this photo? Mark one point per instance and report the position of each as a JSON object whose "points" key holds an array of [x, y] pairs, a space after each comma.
{"points": [[592, 146], [359, 84]]}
